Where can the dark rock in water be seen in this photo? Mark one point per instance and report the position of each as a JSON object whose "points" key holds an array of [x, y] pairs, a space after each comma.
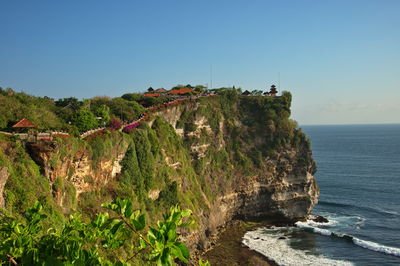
{"points": [[317, 218], [282, 237]]}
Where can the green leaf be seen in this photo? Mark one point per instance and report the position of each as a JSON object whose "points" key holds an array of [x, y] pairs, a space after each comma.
{"points": [[184, 251], [142, 244], [142, 221], [206, 263], [172, 234], [186, 213], [139, 223]]}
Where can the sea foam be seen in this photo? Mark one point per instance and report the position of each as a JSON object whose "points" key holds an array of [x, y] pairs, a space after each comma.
{"points": [[359, 242], [279, 250]]}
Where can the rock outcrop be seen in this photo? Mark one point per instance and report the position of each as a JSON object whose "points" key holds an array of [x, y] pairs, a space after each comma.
{"points": [[283, 188], [3, 179], [240, 170], [77, 168]]}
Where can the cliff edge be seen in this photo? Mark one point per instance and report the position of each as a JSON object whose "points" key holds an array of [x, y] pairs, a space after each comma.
{"points": [[224, 157]]}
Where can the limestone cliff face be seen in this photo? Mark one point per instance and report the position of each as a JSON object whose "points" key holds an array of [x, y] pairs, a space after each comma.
{"points": [[77, 168], [282, 187], [249, 163]]}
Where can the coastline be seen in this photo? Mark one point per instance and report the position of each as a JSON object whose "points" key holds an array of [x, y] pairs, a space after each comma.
{"points": [[227, 247]]}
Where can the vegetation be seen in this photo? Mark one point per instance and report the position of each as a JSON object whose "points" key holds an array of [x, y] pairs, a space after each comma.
{"points": [[15, 106], [121, 230], [21, 191], [68, 114], [225, 140]]}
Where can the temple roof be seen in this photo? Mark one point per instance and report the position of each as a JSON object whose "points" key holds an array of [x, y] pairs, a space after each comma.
{"points": [[180, 91], [151, 94], [24, 123]]}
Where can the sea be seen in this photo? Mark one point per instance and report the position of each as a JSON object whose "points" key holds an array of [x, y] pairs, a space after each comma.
{"points": [[359, 180]]}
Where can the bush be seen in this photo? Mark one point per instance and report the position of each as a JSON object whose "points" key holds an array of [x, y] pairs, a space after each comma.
{"points": [[91, 243], [190, 127], [85, 120], [169, 196], [131, 173], [115, 124]]}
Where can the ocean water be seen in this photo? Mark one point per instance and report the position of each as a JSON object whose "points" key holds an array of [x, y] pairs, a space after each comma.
{"points": [[359, 178]]}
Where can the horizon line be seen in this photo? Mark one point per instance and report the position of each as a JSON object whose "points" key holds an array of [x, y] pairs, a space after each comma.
{"points": [[353, 124]]}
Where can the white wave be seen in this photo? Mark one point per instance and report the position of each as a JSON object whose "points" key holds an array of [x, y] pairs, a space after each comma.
{"points": [[377, 247], [359, 242], [279, 250], [342, 221], [391, 212], [317, 224], [309, 225]]}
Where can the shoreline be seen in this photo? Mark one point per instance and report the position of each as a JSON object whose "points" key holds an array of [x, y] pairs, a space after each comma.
{"points": [[227, 247]]}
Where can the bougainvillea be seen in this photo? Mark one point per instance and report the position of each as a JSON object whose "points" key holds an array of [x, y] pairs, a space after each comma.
{"points": [[129, 128]]}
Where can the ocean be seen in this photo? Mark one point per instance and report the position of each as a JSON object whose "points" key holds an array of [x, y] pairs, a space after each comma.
{"points": [[359, 179]]}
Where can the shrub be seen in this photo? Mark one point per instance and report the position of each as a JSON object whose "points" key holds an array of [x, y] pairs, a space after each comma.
{"points": [[130, 128], [85, 120], [169, 196], [190, 127], [115, 124], [80, 243]]}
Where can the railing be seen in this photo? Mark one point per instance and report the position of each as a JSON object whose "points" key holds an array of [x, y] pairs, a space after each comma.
{"points": [[90, 132], [46, 136]]}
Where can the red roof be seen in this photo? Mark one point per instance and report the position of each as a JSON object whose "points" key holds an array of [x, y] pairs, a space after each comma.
{"points": [[24, 123], [160, 90], [152, 94], [180, 91]]}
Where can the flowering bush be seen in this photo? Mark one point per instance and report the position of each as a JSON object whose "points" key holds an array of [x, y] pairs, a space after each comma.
{"points": [[129, 128], [115, 124]]}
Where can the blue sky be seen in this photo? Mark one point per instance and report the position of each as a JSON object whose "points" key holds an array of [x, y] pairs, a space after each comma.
{"points": [[340, 59]]}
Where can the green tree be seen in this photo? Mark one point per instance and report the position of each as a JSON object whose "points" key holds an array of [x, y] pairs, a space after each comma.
{"points": [[103, 111], [131, 173], [145, 157], [132, 97], [85, 120], [70, 102]]}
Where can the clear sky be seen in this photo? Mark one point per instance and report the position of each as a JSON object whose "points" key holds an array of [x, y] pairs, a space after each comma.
{"points": [[340, 59]]}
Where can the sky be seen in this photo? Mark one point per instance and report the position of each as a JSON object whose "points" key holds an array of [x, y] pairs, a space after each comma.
{"points": [[340, 59]]}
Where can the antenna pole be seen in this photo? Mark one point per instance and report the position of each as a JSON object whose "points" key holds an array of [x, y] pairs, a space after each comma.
{"points": [[279, 80]]}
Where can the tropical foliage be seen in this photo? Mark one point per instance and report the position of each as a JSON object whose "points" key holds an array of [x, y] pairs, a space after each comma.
{"points": [[121, 231]]}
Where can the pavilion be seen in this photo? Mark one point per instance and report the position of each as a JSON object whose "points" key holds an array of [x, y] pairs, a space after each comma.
{"points": [[24, 123]]}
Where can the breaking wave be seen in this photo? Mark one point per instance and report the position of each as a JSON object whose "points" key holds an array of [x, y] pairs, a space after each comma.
{"points": [[277, 248], [309, 226]]}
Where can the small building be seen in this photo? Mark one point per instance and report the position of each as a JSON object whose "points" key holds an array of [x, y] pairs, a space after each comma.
{"points": [[180, 91], [23, 124], [273, 91], [246, 93], [161, 90], [149, 94]]}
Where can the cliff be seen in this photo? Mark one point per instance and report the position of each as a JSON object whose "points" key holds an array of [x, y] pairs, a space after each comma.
{"points": [[251, 160], [224, 157]]}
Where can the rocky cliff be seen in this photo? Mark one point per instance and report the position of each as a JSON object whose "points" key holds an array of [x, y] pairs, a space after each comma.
{"points": [[224, 157], [275, 183]]}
